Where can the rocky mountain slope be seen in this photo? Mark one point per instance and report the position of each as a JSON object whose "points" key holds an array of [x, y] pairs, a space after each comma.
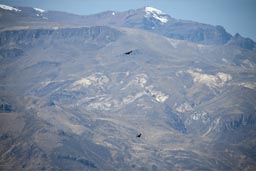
{"points": [[75, 98]]}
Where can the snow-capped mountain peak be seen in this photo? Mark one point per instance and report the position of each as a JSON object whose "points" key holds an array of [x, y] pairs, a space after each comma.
{"points": [[6, 7], [153, 10], [39, 10], [156, 13]]}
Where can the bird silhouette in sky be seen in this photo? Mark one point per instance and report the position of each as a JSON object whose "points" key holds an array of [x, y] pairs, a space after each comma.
{"points": [[128, 53], [139, 135]]}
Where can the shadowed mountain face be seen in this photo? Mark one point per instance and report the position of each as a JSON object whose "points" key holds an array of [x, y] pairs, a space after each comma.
{"points": [[76, 99]]}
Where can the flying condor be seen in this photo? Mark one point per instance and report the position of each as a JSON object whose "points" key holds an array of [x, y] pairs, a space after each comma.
{"points": [[128, 53], [139, 135]]}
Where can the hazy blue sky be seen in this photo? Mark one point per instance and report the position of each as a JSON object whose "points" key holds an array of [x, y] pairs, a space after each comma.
{"points": [[234, 15]]}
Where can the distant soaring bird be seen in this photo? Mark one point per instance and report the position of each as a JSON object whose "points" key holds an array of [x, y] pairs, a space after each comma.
{"points": [[139, 135], [128, 53]]}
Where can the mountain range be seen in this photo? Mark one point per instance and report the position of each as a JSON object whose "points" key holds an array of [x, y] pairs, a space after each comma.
{"points": [[146, 18], [76, 91]]}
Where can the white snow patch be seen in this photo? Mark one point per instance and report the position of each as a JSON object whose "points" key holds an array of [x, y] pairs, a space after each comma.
{"points": [[39, 10], [6, 7], [213, 81], [83, 82], [108, 103], [158, 95], [224, 77], [94, 80], [100, 105], [153, 10], [131, 98], [141, 79], [200, 116], [248, 85], [185, 107], [155, 13], [113, 13]]}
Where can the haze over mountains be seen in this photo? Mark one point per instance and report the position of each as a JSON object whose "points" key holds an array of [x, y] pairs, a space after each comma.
{"points": [[73, 98]]}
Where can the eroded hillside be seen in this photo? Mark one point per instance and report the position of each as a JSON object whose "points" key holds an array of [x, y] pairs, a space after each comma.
{"points": [[73, 98]]}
